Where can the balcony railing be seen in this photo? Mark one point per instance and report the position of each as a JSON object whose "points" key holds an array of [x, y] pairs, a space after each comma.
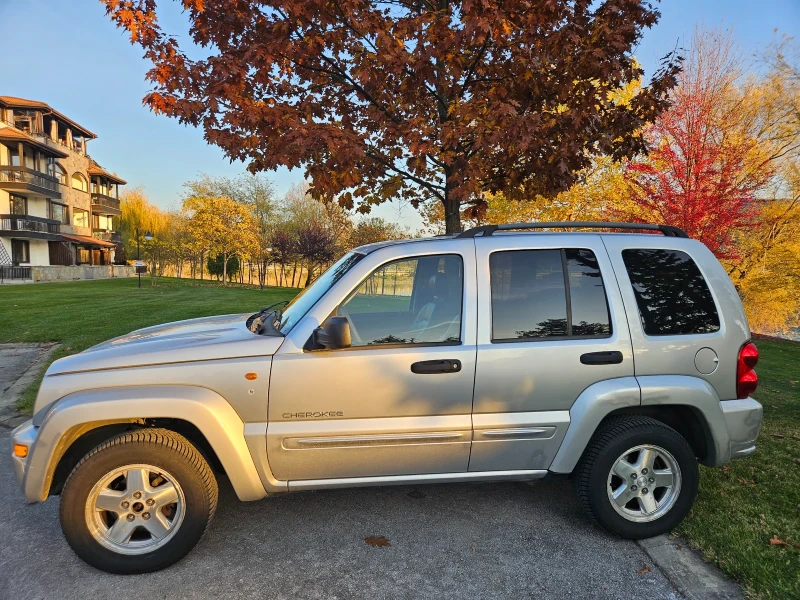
{"points": [[29, 177], [107, 236], [106, 201], [11, 272], [29, 223]]}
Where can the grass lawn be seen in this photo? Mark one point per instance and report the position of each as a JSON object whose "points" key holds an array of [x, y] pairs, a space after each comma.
{"points": [[81, 314], [740, 508], [743, 505]]}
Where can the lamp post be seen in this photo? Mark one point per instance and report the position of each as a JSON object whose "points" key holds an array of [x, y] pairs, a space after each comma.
{"points": [[147, 237]]}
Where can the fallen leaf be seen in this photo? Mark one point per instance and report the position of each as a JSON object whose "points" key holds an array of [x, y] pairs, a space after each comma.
{"points": [[643, 570], [776, 541], [778, 435], [416, 494], [726, 468], [473, 548], [377, 541]]}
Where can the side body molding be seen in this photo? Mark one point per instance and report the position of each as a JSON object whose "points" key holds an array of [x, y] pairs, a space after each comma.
{"points": [[203, 408], [591, 407], [697, 393]]}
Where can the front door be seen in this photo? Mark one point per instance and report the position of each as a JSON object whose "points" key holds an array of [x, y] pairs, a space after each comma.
{"points": [[550, 325], [399, 401]]}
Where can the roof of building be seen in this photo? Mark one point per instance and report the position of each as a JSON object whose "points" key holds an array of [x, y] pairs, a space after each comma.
{"points": [[88, 241], [14, 102], [8, 134], [96, 169]]}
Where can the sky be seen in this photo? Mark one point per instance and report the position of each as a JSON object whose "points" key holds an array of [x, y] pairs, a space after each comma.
{"points": [[74, 58]]}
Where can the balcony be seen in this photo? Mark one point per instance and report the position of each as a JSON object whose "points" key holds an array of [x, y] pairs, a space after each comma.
{"points": [[32, 183], [26, 226], [105, 205], [107, 236]]}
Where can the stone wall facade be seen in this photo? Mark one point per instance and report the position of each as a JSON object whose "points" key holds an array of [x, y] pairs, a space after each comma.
{"points": [[81, 272]]}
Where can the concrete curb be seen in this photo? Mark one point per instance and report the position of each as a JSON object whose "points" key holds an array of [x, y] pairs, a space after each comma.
{"points": [[9, 416], [688, 572]]}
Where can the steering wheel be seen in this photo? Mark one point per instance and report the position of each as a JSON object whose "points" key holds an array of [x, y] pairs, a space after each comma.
{"points": [[343, 312]]}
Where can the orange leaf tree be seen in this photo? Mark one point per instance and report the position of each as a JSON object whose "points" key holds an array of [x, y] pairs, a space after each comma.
{"points": [[413, 100]]}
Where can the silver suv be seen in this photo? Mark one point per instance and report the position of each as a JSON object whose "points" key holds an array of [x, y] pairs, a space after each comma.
{"points": [[618, 359]]}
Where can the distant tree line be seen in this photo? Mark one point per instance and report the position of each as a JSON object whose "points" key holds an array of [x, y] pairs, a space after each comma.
{"points": [[238, 230]]}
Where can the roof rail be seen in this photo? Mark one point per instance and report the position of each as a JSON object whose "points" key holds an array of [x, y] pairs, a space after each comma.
{"points": [[486, 230]]}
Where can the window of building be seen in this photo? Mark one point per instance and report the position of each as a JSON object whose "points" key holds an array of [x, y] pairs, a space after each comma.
{"points": [[671, 293], [18, 204], [79, 182], [59, 212], [59, 173], [410, 301], [531, 298], [20, 252], [13, 156], [80, 217]]}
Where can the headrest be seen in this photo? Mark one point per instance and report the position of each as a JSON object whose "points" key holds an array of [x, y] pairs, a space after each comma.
{"points": [[438, 283]]}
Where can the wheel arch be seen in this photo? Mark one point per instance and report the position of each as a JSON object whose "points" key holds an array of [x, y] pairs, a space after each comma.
{"points": [[81, 440], [689, 405], [82, 420]]}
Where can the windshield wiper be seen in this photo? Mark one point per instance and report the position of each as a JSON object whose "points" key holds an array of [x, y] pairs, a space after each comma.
{"points": [[258, 322]]}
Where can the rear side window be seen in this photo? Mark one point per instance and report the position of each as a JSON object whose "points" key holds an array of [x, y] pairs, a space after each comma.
{"points": [[672, 295], [547, 294]]}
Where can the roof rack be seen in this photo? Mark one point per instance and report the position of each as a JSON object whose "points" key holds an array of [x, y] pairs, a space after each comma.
{"points": [[486, 230]]}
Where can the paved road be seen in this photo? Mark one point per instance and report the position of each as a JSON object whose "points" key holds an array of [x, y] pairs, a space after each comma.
{"points": [[509, 540]]}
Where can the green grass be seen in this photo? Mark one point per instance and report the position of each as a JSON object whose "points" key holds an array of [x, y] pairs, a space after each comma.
{"points": [[81, 314], [739, 509], [741, 506]]}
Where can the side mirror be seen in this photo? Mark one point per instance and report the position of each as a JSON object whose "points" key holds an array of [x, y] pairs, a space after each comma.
{"points": [[333, 335]]}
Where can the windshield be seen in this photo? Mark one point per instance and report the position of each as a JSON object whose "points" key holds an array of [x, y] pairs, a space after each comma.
{"points": [[303, 302]]}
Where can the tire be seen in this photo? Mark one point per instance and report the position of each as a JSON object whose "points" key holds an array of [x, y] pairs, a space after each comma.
{"points": [[176, 484], [622, 446]]}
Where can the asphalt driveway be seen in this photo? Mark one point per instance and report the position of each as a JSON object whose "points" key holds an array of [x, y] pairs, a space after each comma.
{"points": [[510, 540]]}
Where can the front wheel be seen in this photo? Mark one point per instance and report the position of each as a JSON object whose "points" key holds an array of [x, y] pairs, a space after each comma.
{"points": [[138, 502], [637, 478]]}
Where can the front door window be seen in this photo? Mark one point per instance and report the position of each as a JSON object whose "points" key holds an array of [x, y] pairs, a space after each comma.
{"points": [[410, 301]]}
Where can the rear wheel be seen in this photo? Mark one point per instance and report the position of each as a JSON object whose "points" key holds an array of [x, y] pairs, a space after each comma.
{"points": [[139, 502], [637, 478]]}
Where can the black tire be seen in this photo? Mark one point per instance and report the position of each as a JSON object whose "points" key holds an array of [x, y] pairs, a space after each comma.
{"points": [[159, 448], [612, 439]]}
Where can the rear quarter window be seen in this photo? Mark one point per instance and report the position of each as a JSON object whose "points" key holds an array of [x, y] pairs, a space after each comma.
{"points": [[671, 292]]}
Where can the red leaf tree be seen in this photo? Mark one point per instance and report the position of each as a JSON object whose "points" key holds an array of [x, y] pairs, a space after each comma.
{"points": [[413, 100], [703, 172]]}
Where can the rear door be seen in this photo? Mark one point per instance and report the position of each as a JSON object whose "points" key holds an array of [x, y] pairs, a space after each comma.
{"points": [[550, 324]]}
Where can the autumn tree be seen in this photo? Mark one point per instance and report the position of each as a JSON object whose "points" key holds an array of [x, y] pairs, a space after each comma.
{"points": [[705, 170], [221, 225], [140, 216], [599, 193], [370, 230], [415, 100], [258, 195]]}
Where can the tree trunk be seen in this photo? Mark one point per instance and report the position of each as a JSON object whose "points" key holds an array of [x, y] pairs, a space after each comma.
{"points": [[452, 214], [224, 269]]}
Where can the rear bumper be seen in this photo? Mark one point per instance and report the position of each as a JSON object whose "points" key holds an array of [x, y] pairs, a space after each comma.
{"points": [[743, 419]]}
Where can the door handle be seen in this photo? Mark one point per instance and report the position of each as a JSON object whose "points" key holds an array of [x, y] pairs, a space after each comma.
{"points": [[448, 365], [612, 357]]}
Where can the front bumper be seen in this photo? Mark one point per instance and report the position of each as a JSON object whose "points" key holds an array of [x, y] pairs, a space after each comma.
{"points": [[743, 418], [25, 434]]}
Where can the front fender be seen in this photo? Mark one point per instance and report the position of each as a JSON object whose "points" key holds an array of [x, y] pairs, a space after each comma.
{"points": [[67, 418]]}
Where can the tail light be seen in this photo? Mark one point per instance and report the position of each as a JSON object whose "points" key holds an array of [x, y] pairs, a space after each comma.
{"points": [[746, 378]]}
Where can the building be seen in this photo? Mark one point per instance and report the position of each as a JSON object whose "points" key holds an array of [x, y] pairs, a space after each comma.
{"points": [[57, 205]]}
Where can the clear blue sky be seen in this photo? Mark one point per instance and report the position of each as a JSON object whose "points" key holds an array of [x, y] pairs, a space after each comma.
{"points": [[74, 59]]}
